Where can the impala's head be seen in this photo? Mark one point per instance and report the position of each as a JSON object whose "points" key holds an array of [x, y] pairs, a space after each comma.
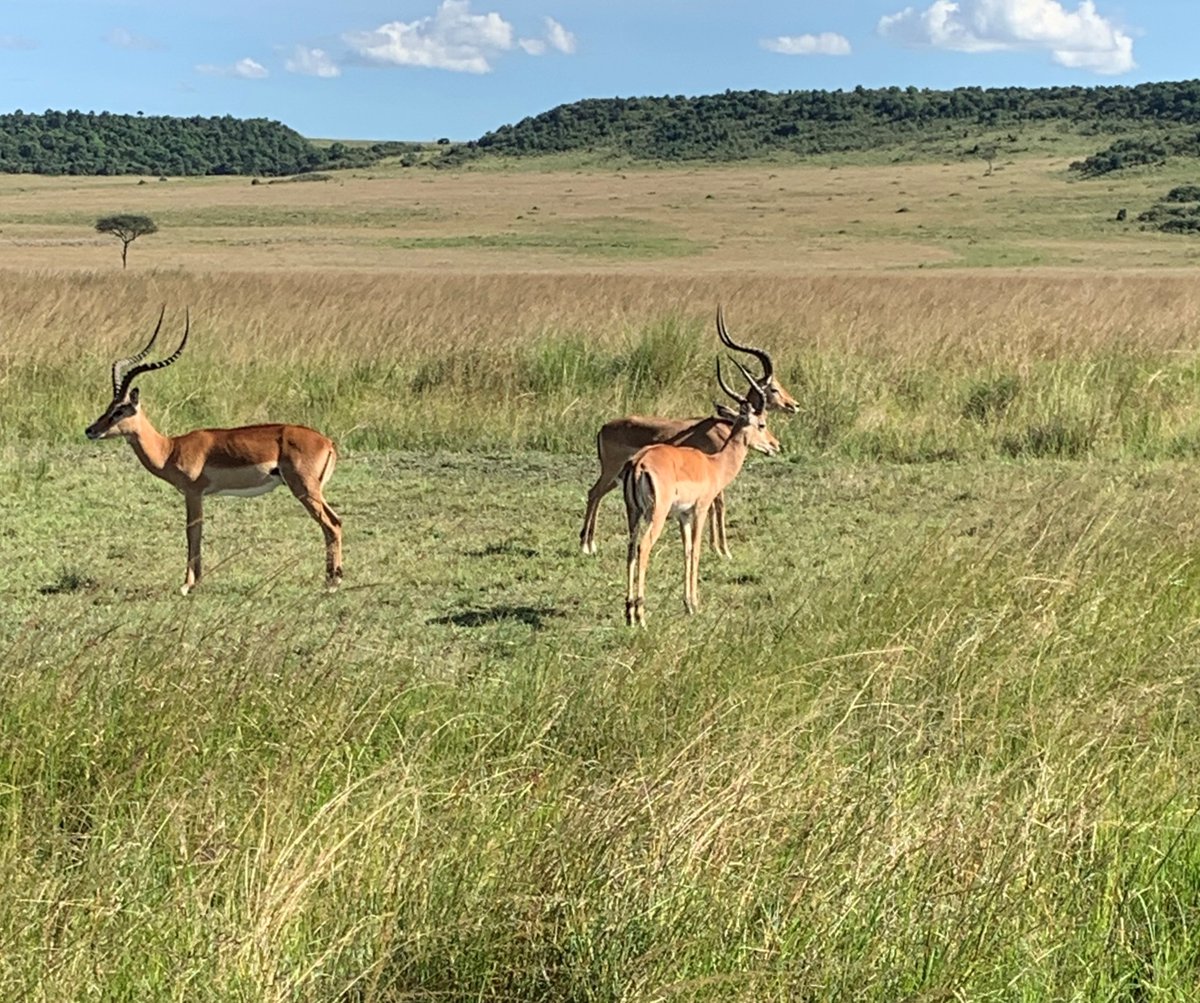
{"points": [[770, 392], [750, 421], [123, 412]]}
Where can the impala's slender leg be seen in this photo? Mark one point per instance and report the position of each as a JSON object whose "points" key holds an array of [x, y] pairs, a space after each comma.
{"points": [[331, 526], [195, 523], [587, 537], [700, 515], [646, 522], [610, 476], [645, 544], [308, 492], [686, 526], [631, 600], [720, 541], [636, 528]]}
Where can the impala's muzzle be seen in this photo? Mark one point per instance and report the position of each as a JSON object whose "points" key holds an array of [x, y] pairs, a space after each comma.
{"points": [[97, 429], [102, 427]]}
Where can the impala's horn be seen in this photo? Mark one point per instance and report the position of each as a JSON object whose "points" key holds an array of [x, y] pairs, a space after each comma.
{"points": [[122, 363], [758, 353], [741, 401], [758, 395], [149, 367]]}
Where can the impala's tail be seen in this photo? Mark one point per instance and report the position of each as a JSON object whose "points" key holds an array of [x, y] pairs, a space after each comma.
{"points": [[638, 488]]}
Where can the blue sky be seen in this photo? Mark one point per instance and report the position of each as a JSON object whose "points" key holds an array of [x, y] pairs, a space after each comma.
{"points": [[422, 69]]}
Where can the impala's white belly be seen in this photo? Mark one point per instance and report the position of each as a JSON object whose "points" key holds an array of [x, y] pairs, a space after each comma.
{"points": [[260, 489], [244, 482], [682, 510]]}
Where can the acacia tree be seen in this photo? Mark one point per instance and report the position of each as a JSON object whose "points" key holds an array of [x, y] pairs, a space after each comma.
{"points": [[126, 227]]}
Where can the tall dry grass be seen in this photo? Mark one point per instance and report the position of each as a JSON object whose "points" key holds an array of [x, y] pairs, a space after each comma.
{"points": [[945, 319], [897, 367]]}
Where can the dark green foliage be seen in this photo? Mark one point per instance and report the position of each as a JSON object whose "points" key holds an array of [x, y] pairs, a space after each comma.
{"points": [[1177, 212], [75, 142], [68, 579], [742, 124], [1138, 151], [339, 155], [989, 399], [1058, 437]]}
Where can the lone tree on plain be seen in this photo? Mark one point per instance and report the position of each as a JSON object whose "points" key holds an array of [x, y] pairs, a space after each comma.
{"points": [[126, 228]]}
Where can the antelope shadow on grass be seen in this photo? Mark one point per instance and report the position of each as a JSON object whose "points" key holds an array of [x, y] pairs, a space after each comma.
{"points": [[534, 616]]}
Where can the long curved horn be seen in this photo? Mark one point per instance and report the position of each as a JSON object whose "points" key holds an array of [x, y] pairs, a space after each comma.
{"points": [[760, 401], [728, 342], [724, 386], [121, 363], [149, 367]]}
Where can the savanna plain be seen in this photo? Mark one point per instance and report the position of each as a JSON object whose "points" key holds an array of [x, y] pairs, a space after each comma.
{"points": [[931, 736]]}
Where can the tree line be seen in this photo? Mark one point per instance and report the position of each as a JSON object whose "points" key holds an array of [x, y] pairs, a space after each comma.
{"points": [[90, 143], [745, 124], [1143, 124]]}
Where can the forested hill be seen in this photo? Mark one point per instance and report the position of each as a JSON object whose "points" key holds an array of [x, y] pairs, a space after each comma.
{"points": [[740, 124], [74, 142], [1144, 124]]}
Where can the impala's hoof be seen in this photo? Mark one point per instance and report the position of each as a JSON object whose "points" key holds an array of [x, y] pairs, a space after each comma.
{"points": [[184, 589]]}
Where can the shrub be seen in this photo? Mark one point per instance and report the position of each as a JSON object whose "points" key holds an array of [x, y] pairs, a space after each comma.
{"points": [[1059, 437], [989, 399]]}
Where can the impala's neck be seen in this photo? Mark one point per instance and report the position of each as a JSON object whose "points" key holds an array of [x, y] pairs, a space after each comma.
{"points": [[151, 446], [729, 458]]}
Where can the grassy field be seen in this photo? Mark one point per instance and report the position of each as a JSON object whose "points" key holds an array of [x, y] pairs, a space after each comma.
{"points": [[772, 218], [929, 738]]}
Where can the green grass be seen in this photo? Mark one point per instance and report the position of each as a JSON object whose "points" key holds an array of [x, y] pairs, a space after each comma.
{"points": [[931, 736], [603, 238]]}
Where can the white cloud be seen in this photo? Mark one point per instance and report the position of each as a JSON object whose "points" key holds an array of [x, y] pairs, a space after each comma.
{"points": [[17, 42], [312, 63], [828, 43], [452, 39], [1081, 39], [123, 38], [247, 69], [558, 37]]}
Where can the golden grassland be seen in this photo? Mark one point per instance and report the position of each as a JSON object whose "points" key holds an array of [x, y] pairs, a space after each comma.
{"points": [[680, 221]]}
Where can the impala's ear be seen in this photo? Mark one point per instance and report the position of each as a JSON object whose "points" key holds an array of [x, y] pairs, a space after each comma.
{"points": [[133, 396], [724, 412]]}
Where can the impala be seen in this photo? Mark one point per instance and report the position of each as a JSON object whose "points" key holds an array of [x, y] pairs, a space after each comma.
{"points": [[619, 439], [667, 481], [246, 461]]}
